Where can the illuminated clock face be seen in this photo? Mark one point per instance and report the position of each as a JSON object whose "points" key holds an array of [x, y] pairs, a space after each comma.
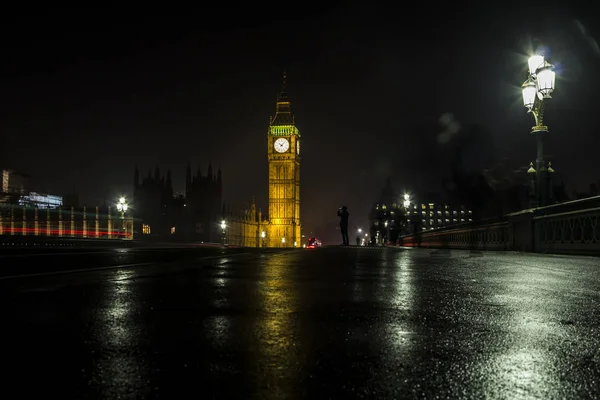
{"points": [[282, 145], [298, 146]]}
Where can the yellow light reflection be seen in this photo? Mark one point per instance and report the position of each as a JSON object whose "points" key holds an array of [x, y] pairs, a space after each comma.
{"points": [[278, 353]]}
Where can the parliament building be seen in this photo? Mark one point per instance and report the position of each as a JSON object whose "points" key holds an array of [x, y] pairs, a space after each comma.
{"points": [[160, 213]]}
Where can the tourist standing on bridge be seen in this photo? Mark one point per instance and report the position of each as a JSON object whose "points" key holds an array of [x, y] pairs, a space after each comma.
{"points": [[344, 214]]}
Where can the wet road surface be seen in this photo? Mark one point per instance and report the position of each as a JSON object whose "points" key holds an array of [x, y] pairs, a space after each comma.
{"points": [[329, 323]]}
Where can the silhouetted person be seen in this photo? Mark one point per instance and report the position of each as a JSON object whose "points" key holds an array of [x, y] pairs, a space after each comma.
{"points": [[344, 214], [358, 240]]}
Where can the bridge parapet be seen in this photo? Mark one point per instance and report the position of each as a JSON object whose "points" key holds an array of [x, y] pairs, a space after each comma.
{"points": [[64, 222], [567, 228]]}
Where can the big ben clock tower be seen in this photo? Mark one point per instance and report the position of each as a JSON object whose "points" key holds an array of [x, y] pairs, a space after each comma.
{"points": [[284, 175]]}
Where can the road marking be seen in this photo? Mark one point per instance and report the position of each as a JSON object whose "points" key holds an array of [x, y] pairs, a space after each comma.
{"points": [[72, 271]]}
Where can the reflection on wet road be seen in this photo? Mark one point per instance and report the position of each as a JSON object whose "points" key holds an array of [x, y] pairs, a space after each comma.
{"points": [[328, 323]]}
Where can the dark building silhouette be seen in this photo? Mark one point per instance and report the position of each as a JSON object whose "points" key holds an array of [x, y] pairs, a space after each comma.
{"points": [[593, 191], [387, 218], [192, 216]]}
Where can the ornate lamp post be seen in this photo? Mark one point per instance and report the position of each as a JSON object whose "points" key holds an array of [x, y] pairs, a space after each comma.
{"points": [[536, 89], [122, 208], [263, 235], [406, 204], [223, 228]]}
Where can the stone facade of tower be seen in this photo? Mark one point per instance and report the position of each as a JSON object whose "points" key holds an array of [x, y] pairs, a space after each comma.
{"points": [[283, 144]]}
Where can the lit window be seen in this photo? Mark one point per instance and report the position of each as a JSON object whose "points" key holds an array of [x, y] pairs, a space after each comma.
{"points": [[172, 230], [146, 229]]}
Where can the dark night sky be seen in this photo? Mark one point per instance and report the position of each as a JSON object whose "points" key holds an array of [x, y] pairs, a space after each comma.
{"points": [[86, 95]]}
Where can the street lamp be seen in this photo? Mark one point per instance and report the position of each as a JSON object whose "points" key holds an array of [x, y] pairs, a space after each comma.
{"points": [[223, 227], [406, 202], [263, 234], [536, 89], [122, 208]]}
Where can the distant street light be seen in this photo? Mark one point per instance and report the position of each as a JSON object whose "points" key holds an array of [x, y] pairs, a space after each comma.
{"points": [[122, 205], [536, 89], [122, 208], [263, 235], [359, 240], [223, 228], [406, 202]]}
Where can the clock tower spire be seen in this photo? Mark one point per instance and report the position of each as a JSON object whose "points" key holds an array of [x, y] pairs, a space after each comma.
{"points": [[283, 96], [283, 141]]}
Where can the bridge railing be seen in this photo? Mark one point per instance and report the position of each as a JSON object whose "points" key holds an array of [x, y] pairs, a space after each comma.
{"points": [[576, 232], [69, 222], [567, 228]]}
